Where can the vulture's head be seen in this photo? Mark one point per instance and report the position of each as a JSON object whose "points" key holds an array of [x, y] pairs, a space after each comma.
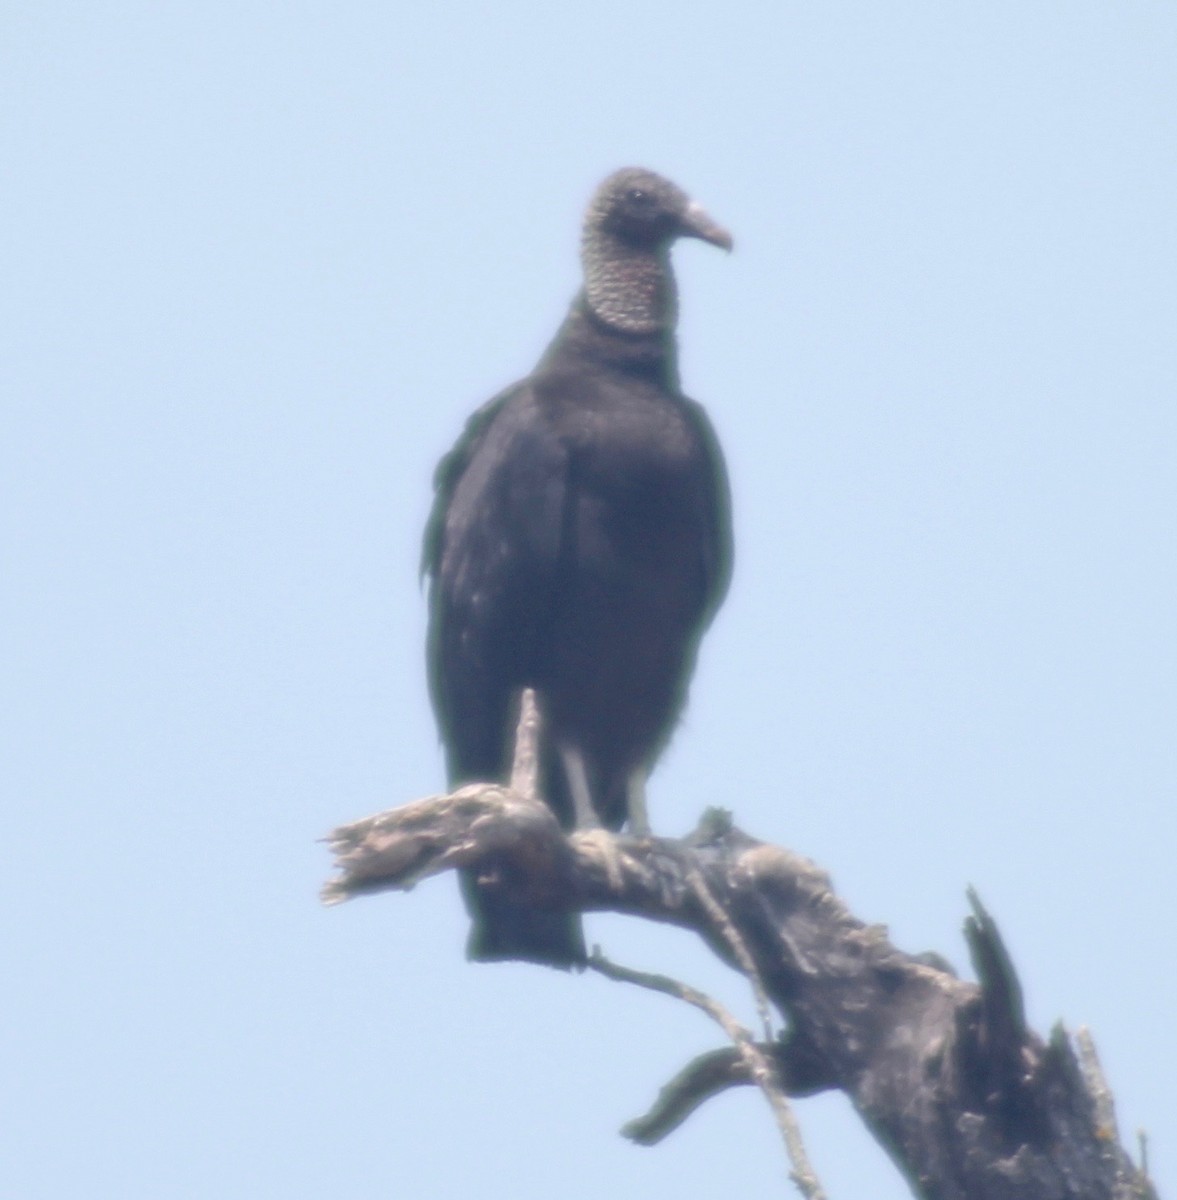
{"points": [[646, 211], [631, 222]]}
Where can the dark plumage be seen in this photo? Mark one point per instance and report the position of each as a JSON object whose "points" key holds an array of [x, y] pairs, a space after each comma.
{"points": [[579, 544]]}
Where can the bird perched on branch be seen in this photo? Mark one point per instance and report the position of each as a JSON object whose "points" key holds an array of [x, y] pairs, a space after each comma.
{"points": [[579, 544]]}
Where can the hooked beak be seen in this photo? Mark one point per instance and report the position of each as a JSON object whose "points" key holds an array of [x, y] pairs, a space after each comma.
{"points": [[696, 223]]}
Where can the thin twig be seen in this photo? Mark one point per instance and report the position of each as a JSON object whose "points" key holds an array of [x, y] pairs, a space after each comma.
{"points": [[743, 955], [803, 1171], [760, 1066]]}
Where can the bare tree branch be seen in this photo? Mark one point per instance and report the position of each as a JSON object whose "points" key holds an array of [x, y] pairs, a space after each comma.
{"points": [[968, 1101]]}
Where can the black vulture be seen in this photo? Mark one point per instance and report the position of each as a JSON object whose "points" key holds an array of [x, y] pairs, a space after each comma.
{"points": [[579, 544]]}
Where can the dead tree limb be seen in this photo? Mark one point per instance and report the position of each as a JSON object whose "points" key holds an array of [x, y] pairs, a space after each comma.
{"points": [[969, 1102], [757, 1062]]}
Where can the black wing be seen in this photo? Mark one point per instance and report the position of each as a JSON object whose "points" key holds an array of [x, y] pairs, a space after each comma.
{"points": [[718, 550], [449, 471], [492, 551]]}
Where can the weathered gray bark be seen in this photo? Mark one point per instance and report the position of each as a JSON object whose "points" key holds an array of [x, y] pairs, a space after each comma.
{"points": [[970, 1103]]}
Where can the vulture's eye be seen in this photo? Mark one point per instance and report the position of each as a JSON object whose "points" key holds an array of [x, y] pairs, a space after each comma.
{"points": [[637, 196]]}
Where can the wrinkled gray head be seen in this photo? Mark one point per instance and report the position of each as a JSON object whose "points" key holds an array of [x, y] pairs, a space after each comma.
{"points": [[632, 221], [645, 210]]}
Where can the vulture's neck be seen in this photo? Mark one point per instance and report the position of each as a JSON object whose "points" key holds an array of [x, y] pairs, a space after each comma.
{"points": [[629, 289], [624, 318]]}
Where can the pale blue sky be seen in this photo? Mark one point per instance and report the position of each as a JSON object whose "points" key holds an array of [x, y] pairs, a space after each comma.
{"points": [[259, 262]]}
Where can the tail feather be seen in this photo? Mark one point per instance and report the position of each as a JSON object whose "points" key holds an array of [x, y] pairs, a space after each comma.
{"points": [[505, 931]]}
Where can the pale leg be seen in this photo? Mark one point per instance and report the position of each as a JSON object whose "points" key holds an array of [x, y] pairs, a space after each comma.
{"points": [[583, 813], [635, 796], [588, 824]]}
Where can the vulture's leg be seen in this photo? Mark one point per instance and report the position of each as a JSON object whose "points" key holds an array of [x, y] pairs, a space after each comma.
{"points": [[635, 800], [583, 812], [588, 824]]}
